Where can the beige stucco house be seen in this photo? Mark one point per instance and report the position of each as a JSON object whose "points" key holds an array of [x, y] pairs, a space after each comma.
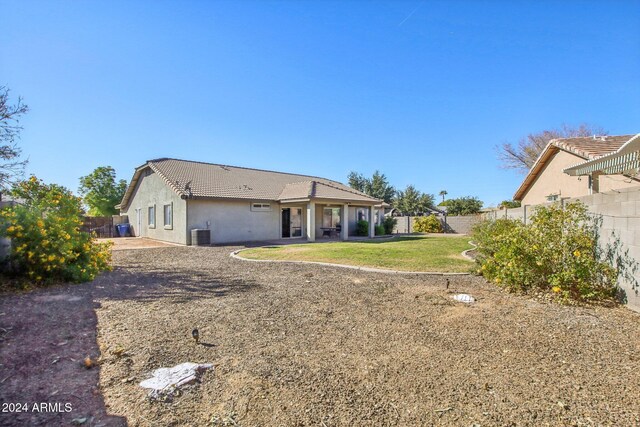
{"points": [[168, 198], [547, 180]]}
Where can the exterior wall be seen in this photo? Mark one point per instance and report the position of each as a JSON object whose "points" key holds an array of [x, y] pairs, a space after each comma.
{"points": [[234, 221], [352, 217], [615, 182], [620, 213], [153, 190], [461, 224], [552, 180], [455, 224]]}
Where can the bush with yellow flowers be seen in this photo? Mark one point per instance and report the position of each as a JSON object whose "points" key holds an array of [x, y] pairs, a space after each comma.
{"points": [[46, 242], [557, 252], [427, 224]]}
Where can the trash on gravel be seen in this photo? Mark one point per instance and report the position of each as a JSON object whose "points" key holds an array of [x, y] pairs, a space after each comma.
{"points": [[466, 298], [166, 381]]}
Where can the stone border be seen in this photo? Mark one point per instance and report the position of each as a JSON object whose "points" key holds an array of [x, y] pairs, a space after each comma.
{"points": [[235, 255], [466, 253]]}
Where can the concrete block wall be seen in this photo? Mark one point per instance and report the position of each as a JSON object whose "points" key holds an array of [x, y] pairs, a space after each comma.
{"points": [[461, 224], [620, 213], [455, 224]]}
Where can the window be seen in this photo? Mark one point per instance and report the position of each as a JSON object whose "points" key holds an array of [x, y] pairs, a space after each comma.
{"points": [[330, 217], [552, 197], [152, 216], [261, 207], [362, 214], [168, 216]]}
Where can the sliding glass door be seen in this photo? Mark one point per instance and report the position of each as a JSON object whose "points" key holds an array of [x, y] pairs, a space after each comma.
{"points": [[291, 222]]}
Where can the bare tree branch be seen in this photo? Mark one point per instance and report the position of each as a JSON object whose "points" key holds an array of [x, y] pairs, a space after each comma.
{"points": [[522, 156], [11, 166]]}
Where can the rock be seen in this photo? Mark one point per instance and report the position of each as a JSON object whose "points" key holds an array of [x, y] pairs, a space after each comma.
{"points": [[166, 381], [465, 298]]}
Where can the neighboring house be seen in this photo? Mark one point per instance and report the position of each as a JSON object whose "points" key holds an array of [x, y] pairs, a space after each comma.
{"points": [[547, 181], [167, 198]]}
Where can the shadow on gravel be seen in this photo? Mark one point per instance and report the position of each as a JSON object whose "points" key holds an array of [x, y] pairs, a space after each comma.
{"points": [[140, 284], [45, 335]]}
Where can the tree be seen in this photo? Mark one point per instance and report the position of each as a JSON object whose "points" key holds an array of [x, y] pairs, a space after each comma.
{"points": [[377, 186], [522, 156], [101, 192], [464, 206], [412, 202], [443, 193], [11, 166], [509, 204], [357, 181]]}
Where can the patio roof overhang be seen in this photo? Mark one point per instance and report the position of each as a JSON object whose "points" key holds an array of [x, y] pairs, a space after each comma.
{"points": [[326, 201], [625, 160]]}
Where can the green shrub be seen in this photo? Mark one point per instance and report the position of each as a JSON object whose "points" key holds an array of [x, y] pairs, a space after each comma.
{"points": [[362, 228], [557, 252], [427, 224], [389, 224], [380, 230], [47, 244]]}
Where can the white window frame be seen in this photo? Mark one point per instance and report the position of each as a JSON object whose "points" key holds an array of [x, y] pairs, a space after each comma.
{"points": [[168, 226], [149, 218], [260, 207]]}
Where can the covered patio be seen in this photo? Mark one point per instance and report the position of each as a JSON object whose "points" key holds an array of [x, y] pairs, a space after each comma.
{"points": [[314, 210]]}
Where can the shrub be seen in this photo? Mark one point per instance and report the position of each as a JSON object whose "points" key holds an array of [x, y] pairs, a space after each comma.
{"points": [[557, 252], [47, 244], [380, 230], [427, 224], [389, 224], [362, 228]]}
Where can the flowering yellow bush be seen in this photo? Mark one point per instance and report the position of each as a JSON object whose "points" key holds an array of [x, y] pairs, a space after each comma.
{"points": [[427, 224], [47, 244], [557, 251]]}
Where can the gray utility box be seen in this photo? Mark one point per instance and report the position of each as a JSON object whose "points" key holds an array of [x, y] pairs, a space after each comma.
{"points": [[200, 236]]}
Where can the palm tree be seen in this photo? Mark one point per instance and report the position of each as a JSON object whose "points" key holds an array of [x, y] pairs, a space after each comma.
{"points": [[443, 193]]}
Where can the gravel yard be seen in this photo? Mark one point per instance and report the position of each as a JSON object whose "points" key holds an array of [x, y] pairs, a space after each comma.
{"points": [[297, 344]]}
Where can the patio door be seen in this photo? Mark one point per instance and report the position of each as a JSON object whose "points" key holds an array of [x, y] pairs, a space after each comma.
{"points": [[291, 222]]}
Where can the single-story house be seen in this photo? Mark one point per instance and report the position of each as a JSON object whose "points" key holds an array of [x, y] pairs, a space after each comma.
{"points": [[168, 198], [547, 180]]}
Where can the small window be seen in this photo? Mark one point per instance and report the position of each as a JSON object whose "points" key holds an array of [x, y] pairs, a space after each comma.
{"points": [[152, 216], [260, 207], [552, 197], [168, 216]]}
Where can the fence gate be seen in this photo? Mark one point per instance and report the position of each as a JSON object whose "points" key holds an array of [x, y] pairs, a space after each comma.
{"points": [[100, 226]]}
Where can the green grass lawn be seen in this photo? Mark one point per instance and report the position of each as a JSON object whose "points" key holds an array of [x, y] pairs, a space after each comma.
{"points": [[420, 253]]}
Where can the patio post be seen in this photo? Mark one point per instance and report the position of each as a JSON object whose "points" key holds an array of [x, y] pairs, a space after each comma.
{"points": [[372, 225], [344, 222], [311, 222]]}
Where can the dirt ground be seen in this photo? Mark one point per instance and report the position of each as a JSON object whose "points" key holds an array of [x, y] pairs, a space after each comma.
{"points": [[125, 243], [297, 345]]}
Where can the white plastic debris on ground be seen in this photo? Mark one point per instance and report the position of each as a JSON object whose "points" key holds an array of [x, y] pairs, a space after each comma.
{"points": [[166, 381], [466, 298]]}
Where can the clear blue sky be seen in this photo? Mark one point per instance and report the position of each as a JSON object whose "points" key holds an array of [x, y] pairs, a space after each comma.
{"points": [[421, 90]]}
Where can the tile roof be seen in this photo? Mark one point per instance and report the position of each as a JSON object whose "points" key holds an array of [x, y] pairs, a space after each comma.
{"points": [[191, 179], [588, 148], [592, 147]]}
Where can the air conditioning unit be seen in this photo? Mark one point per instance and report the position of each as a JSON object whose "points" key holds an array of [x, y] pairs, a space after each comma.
{"points": [[200, 237]]}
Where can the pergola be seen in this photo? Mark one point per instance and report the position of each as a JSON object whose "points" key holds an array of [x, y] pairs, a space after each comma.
{"points": [[625, 160]]}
